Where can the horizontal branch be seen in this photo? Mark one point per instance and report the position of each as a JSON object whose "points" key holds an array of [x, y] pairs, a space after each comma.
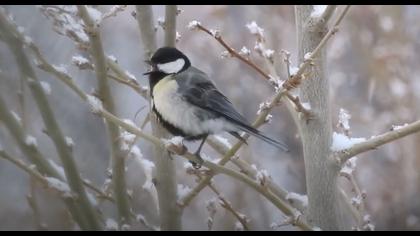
{"points": [[377, 141]]}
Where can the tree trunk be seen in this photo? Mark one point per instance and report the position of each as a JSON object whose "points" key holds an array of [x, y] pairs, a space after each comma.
{"points": [[321, 173]]}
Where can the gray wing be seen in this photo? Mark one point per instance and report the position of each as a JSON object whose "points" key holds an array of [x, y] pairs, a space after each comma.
{"points": [[199, 90]]}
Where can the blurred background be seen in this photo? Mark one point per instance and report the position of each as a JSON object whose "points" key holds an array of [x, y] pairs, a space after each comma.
{"points": [[373, 65]]}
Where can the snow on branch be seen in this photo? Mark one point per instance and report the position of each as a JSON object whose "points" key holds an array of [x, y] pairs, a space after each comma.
{"points": [[349, 148]]}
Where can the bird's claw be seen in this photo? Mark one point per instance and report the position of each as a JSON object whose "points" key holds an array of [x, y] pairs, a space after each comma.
{"points": [[200, 162]]}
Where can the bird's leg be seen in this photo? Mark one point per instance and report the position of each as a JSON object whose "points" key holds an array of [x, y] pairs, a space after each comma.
{"points": [[197, 154]]}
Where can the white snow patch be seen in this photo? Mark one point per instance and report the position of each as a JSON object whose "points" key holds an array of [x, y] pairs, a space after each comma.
{"points": [[341, 142], [307, 56], [81, 62], [225, 54], [215, 33], [129, 122], [30, 141], [69, 141], [130, 76], [343, 118], [397, 127], [161, 22], [262, 176], [111, 224], [176, 140], [46, 87], [268, 53], [61, 68], [183, 190], [146, 165], [293, 70], [306, 105], [58, 168], [92, 199], [193, 25], [223, 140], [239, 226], [16, 116], [112, 58], [268, 118], [60, 186], [318, 10], [348, 167], [255, 29], [263, 106], [291, 196], [94, 14], [94, 103], [245, 51], [177, 37]]}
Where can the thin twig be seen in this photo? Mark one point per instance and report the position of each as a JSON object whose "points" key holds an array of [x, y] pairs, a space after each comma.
{"points": [[233, 52], [228, 206]]}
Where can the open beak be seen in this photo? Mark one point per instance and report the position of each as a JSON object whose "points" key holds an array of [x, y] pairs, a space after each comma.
{"points": [[150, 64]]}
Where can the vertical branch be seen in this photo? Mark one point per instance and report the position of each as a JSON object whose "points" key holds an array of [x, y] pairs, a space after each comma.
{"points": [[170, 25], [169, 212], [321, 174], [144, 16], [51, 125], [117, 155]]}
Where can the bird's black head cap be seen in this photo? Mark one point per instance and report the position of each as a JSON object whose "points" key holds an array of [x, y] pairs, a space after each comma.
{"points": [[169, 60]]}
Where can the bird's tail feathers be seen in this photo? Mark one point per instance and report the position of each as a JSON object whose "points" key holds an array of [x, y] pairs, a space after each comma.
{"points": [[258, 134]]}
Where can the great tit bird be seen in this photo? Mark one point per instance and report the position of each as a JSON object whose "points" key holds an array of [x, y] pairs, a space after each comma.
{"points": [[188, 104]]}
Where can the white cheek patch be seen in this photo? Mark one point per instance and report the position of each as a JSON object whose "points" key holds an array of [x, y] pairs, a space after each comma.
{"points": [[172, 67]]}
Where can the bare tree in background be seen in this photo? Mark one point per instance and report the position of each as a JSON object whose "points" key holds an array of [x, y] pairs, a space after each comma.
{"points": [[305, 93]]}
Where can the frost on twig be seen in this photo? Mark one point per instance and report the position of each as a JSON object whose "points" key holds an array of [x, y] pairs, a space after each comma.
{"points": [[81, 62], [67, 23], [31, 141], [343, 121], [183, 190], [295, 197], [94, 14], [111, 225], [113, 11], [193, 25], [245, 51], [341, 142], [263, 178], [60, 186], [175, 144], [46, 87], [69, 142], [211, 207], [95, 104], [140, 218], [255, 29]]}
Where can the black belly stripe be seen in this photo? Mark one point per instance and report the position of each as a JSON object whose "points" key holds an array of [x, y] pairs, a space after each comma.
{"points": [[175, 130]]}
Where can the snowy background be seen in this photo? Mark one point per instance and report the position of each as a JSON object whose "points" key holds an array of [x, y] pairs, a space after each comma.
{"points": [[373, 65]]}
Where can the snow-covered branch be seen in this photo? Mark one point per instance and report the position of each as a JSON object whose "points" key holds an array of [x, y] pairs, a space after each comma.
{"points": [[377, 141]]}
